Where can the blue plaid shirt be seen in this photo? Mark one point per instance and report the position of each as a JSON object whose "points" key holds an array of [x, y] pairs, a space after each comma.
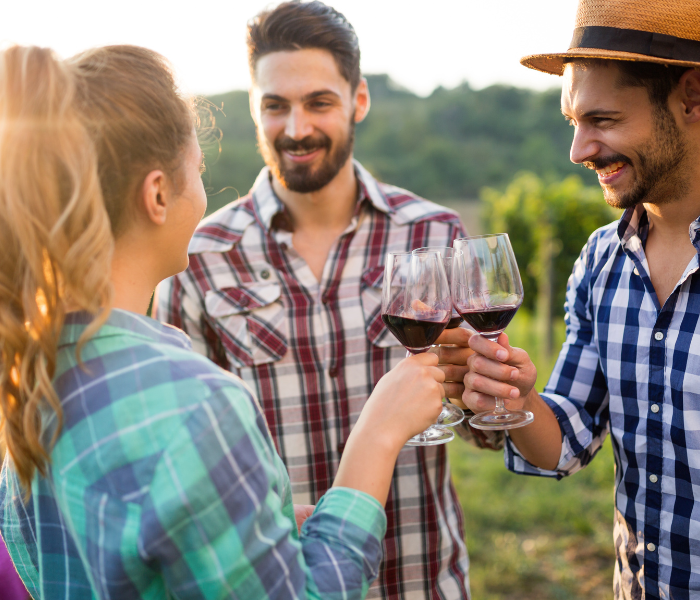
{"points": [[632, 368], [165, 482]]}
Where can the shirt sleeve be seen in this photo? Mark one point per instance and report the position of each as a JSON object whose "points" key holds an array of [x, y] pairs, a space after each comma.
{"points": [[577, 391], [219, 519]]}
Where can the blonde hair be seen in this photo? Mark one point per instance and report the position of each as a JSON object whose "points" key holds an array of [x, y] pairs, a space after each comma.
{"points": [[77, 138]]}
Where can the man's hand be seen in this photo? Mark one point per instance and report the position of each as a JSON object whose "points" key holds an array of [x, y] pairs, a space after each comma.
{"points": [[453, 361], [301, 513], [497, 370]]}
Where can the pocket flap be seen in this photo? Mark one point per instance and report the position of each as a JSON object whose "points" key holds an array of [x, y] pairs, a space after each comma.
{"points": [[236, 300], [373, 277]]}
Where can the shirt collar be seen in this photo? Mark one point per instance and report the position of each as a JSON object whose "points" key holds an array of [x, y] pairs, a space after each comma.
{"points": [[268, 205], [121, 322], [634, 228]]}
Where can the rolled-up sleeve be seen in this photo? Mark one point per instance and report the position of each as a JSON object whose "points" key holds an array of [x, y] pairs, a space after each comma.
{"points": [[577, 391]]}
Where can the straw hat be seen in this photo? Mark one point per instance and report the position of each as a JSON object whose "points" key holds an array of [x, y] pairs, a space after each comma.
{"points": [[659, 31]]}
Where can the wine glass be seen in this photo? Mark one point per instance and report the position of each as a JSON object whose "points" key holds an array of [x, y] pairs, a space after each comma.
{"points": [[451, 415], [487, 292], [416, 307]]}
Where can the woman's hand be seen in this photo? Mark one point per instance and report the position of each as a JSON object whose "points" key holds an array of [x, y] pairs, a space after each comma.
{"points": [[406, 400], [497, 370]]}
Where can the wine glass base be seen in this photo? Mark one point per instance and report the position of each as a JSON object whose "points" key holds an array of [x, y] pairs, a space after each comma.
{"points": [[502, 420], [433, 436], [450, 416]]}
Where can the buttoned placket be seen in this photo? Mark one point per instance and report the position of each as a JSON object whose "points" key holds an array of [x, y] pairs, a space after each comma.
{"points": [[658, 364]]}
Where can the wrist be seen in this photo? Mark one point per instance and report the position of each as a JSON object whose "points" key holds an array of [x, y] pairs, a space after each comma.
{"points": [[380, 439]]}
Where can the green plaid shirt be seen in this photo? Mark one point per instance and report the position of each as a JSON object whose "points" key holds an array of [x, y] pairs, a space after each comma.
{"points": [[165, 482]]}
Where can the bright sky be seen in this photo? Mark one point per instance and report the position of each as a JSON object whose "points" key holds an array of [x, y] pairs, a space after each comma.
{"points": [[420, 44]]}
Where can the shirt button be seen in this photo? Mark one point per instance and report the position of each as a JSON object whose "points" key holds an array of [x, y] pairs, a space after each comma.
{"points": [[654, 408], [651, 547], [265, 274], [658, 336], [653, 478], [635, 271], [333, 371], [244, 301], [325, 298]]}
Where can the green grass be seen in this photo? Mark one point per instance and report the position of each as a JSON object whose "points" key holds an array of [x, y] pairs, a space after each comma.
{"points": [[533, 537]]}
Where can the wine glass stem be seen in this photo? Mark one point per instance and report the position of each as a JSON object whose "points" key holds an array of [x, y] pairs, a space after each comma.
{"points": [[500, 406]]}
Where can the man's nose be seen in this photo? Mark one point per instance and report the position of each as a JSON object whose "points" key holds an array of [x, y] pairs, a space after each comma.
{"points": [[298, 124], [584, 146]]}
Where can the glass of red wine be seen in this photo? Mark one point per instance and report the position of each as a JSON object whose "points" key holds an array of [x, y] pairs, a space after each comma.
{"points": [[487, 292], [416, 308], [451, 415]]}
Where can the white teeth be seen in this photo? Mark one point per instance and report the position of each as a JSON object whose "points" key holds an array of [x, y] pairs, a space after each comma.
{"points": [[300, 152], [610, 169]]}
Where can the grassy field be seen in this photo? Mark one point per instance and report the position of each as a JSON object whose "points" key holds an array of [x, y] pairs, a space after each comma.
{"points": [[533, 538]]}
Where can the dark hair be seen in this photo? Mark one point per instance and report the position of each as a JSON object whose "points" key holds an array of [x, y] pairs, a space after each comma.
{"points": [[296, 25], [659, 80]]}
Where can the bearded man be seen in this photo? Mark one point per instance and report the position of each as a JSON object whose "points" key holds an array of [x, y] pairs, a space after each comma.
{"points": [[284, 289], [631, 362]]}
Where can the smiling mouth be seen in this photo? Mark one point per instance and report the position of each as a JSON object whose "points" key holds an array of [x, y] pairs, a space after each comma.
{"points": [[303, 152], [610, 169]]}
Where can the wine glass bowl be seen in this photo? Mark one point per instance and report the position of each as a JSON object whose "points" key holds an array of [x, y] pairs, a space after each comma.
{"points": [[416, 308], [451, 415], [487, 292]]}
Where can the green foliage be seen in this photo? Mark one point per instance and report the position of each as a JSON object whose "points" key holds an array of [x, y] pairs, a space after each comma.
{"points": [[446, 146], [535, 212]]}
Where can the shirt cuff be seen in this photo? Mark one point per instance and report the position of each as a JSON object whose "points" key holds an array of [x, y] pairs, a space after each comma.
{"points": [[354, 507]]}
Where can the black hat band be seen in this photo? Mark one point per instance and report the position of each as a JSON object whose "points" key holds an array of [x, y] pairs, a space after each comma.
{"points": [[657, 45]]}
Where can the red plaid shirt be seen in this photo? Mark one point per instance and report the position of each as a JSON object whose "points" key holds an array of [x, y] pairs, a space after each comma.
{"points": [[313, 351]]}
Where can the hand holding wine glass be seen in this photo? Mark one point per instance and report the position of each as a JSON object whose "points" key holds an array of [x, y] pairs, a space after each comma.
{"points": [[487, 292]]}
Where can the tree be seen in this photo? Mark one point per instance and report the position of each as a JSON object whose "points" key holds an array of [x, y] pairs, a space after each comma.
{"points": [[548, 223]]}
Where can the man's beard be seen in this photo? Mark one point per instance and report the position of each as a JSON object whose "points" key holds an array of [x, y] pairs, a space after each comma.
{"points": [[661, 169], [305, 179]]}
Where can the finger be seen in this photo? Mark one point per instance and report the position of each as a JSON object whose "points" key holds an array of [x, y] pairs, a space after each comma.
{"points": [[489, 349], [427, 359], [493, 369], [458, 336], [437, 374], [454, 391], [477, 402], [454, 372], [454, 355], [490, 387]]}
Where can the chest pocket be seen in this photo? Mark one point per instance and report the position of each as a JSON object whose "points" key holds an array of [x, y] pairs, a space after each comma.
{"points": [[251, 322], [371, 297]]}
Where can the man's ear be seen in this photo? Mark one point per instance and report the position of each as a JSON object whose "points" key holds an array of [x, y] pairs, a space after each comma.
{"points": [[362, 101], [689, 87], [155, 197]]}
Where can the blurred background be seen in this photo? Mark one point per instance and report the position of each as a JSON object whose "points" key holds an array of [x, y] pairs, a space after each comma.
{"points": [[456, 119]]}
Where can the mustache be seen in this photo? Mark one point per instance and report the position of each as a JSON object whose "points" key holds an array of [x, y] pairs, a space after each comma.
{"points": [[606, 161], [308, 143]]}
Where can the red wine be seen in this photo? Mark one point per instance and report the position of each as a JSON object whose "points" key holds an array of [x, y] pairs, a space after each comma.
{"points": [[416, 336], [490, 320], [454, 323]]}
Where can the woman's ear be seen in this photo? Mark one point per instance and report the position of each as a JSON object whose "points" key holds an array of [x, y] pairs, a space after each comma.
{"points": [[155, 197]]}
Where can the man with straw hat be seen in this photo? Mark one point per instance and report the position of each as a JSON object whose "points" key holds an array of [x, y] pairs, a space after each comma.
{"points": [[631, 362]]}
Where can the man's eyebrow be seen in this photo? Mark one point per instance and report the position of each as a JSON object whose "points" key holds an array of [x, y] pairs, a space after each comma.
{"points": [[313, 95], [596, 112], [307, 97]]}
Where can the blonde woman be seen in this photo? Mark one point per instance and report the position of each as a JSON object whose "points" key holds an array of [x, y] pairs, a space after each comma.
{"points": [[136, 468]]}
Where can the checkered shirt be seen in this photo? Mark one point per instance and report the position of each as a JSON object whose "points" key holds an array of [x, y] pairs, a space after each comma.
{"points": [[165, 483], [632, 368], [313, 352]]}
